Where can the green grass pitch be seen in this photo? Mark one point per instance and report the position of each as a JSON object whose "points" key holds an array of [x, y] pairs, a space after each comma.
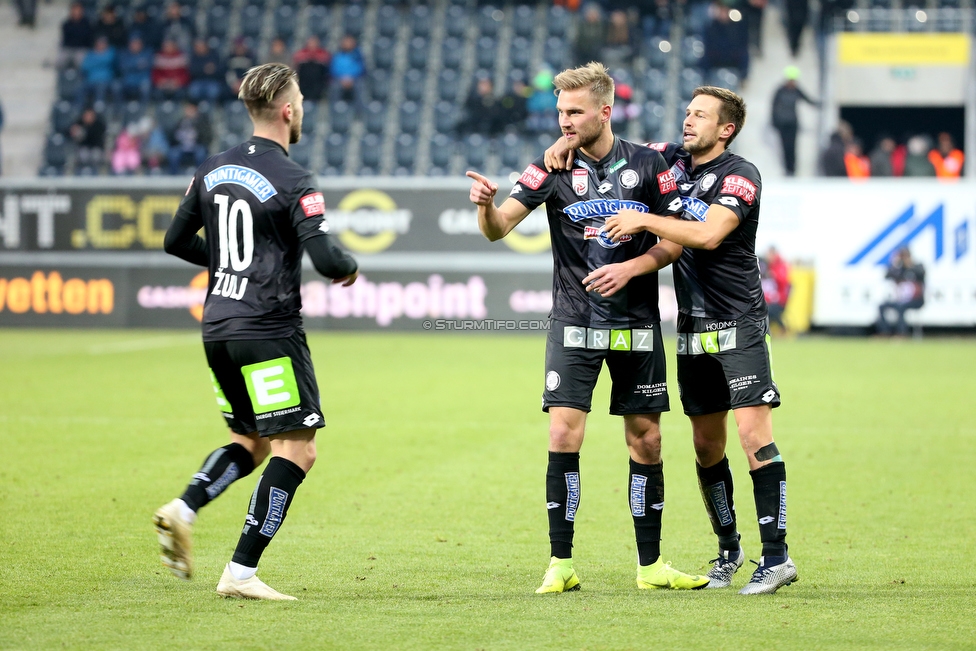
{"points": [[423, 524]]}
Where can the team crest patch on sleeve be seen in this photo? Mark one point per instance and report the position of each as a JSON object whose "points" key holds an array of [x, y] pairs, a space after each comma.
{"points": [[313, 204], [533, 177], [666, 182], [658, 146], [740, 187]]}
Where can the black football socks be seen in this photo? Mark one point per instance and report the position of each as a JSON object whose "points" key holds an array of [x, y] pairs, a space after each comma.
{"points": [[223, 467], [647, 506], [715, 483], [562, 500], [769, 488], [269, 506]]}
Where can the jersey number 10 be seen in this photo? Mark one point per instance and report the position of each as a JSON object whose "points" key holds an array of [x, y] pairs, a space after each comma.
{"points": [[234, 253]]}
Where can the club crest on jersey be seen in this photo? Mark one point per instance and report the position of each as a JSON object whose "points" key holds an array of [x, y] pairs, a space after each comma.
{"points": [[601, 208], [629, 179], [694, 207], [533, 177], [313, 204], [259, 186], [666, 182], [600, 235], [740, 187], [707, 181], [581, 182]]}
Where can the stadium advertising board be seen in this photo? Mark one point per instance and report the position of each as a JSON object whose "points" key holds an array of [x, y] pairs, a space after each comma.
{"points": [[130, 217], [849, 230]]}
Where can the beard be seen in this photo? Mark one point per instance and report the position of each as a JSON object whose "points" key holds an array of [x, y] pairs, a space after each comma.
{"points": [[294, 132], [700, 145]]}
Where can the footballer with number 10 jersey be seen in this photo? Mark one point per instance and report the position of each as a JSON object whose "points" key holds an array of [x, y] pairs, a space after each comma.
{"points": [[578, 201]]}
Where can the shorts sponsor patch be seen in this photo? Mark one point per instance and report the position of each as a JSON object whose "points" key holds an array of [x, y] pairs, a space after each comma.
{"points": [[666, 182], [740, 187], [640, 340], [272, 386], [533, 177], [313, 204]]}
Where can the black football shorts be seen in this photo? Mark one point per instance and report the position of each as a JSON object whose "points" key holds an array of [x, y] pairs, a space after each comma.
{"points": [[724, 365], [265, 385], [634, 357]]}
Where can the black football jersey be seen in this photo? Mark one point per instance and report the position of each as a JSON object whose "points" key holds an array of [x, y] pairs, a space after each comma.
{"points": [[256, 207], [723, 283], [578, 202]]}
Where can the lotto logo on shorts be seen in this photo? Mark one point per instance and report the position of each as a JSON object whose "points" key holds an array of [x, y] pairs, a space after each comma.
{"points": [[740, 187], [700, 343], [599, 339], [313, 204], [271, 385], [533, 177], [666, 182]]}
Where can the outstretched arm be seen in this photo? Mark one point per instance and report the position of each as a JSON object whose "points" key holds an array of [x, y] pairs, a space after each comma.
{"points": [[494, 222], [611, 278], [708, 234]]}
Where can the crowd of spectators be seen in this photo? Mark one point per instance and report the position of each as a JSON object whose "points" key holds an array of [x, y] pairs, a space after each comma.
{"points": [[916, 155]]}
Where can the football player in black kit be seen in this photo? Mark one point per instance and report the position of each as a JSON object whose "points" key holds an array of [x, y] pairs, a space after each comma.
{"points": [[259, 211], [588, 329], [723, 329]]}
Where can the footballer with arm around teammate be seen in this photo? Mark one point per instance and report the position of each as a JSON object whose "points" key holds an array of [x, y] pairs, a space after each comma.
{"points": [[588, 329], [723, 328], [259, 210]]}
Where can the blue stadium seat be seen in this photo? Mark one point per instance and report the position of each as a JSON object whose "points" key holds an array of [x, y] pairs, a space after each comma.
{"points": [[374, 120], [169, 114], [235, 117], [310, 120], [134, 111], [652, 120], [558, 21], [319, 22], [69, 84], [692, 51], [56, 152], [413, 84], [252, 21], [510, 152], [420, 20], [445, 116], [452, 53], [690, 80], [476, 151], [523, 21], [556, 52], [724, 78], [370, 150], [63, 115], [383, 53], [520, 54], [418, 52], [441, 151], [490, 20], [654, 84], [301, 151], [406, 151], [218, 21], [285, 18], [335, 151], [387, 21], [340, 117], [657, 52], [378, 84], [447, 85], [456, 22], [486, 53], [353, 20], [409, 117]]}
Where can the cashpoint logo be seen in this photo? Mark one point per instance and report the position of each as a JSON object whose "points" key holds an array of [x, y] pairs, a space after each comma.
{"points": [[51, 294], [189, 297], [368, 221]]}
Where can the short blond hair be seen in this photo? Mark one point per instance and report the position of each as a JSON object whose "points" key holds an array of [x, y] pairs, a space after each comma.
{"points": [[733, 107], [263, 87], [593, 75]]}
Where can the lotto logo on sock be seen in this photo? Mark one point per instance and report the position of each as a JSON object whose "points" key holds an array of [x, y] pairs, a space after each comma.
{"points": [[276, 512], [638, 484], [572, 499]]}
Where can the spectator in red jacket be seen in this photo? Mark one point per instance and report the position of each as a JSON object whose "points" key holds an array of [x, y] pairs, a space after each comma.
{"points": [[775, 275], [312, 65], [171, 72]]}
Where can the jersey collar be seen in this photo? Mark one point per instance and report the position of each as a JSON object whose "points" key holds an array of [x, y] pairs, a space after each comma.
{"points": [[712, 163], [265, 144]]}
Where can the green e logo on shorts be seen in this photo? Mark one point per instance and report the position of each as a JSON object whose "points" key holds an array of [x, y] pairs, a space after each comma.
{"points": [[271, 385], [219, 393]]}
